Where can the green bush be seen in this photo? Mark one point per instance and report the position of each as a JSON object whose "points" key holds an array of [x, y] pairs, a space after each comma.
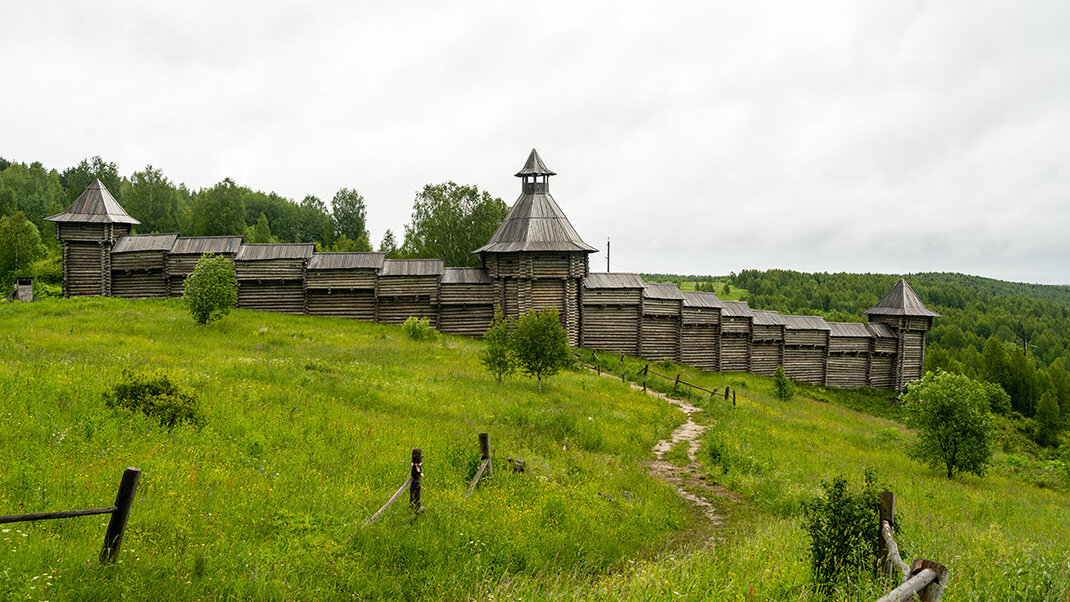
{"points": [[212, 289], [783, 388], [153, 394], [952, 415], [844, 527], [540, 344], [419, 329], [497, 356]]}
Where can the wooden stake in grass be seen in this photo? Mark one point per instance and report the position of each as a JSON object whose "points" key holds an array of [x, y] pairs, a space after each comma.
{"points": [[416, 477], [113, 539]]}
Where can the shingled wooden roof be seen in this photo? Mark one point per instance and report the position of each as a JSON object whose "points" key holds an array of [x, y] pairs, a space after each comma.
{"points": [[412, 267], [465, 276], [347, 261], [849, 329], [901, 301], [736, 309], [612, 280], [662, 290], [94, 206], [271, 250], [700, 299], [805, 323], [535, 223], [199, 245], [133, 243], [765, 317]]}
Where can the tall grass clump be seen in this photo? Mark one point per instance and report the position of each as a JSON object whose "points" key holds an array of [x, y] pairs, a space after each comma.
{"points": [[419, 329]]}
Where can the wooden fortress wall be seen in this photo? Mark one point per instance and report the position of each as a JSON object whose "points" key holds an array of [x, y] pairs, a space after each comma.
{"points": [[612, 312]]}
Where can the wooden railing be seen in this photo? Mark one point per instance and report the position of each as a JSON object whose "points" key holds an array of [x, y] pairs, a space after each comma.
{"points": [[120, 514], [646, 371], [923, 577]]}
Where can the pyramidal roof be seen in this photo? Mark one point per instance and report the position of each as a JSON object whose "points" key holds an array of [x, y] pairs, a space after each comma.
{"points": [[535, 223], [534, 167], [95, 206], [901, 301]]}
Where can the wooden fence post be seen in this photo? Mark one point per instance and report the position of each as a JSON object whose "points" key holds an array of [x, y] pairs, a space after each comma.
{"points": [[726, 393], [733, 399], [124, 499], [646, 369], [887, 513], [677, 383], [484, 451], [417, 476]]}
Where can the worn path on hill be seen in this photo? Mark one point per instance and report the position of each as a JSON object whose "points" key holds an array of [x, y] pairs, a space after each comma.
{"points": [[686, 480]]}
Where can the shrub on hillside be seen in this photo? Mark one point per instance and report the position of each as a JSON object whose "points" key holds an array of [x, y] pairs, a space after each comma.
{"points": [[843, 527], [212, 289], [783, 388], [952, 415], [153, 394], [419, 329]]}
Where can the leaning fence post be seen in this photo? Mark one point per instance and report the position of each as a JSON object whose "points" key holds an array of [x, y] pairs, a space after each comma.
{"points": [[417, 476], [646, 369], [113, 539], [726, 393], [484, 451]]}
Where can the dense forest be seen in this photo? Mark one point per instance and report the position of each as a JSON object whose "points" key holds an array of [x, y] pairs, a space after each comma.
{"points": [[462, 216]]}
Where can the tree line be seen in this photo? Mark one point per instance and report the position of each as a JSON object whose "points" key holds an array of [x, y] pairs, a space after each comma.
{"points": [[448, 220]]}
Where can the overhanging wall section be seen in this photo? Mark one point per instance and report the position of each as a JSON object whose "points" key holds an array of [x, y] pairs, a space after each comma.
{"points": [[700, 336], [409, 288], [271, 277], [466, 301], [612, 312]]}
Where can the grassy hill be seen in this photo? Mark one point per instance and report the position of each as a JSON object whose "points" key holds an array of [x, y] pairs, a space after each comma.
{"points": [[310, 422]]}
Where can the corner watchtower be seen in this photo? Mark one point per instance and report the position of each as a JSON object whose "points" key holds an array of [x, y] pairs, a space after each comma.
{"points": [[87, 231], [535, 259], [910, 320]]}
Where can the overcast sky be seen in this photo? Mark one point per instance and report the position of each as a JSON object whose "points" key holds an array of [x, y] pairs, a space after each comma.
{"points": [[701, 137]]}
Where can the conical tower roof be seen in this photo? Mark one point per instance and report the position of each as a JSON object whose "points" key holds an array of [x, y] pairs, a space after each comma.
{"points": [[901, 301], [94, 206], [534, 167], [535, 223]]}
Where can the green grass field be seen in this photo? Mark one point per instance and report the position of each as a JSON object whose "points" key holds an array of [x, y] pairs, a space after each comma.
{"points": [[310, 423]]}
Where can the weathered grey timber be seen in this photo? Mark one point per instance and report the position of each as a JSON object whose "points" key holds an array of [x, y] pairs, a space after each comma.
{"points": [[271, 277], [612, 312], [139, 265], [87, 231], [187, 251], [343, 284], [534, 260]]}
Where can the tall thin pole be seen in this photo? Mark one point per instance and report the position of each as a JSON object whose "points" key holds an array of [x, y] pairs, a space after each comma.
{"points": [[607, 254]]}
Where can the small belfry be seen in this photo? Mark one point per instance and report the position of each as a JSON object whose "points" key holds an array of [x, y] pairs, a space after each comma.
{"points": [[87, 230], [535, 259]]}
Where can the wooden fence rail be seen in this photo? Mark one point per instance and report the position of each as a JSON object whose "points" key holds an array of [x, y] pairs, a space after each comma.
{"points": [[597, 366], [486, 467], [923, 577], [120, 515], [413, 484]]}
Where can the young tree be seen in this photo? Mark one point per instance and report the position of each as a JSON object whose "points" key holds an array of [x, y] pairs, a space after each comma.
{"points": [[389, 245], [1049, 420], [152, 199], [350, 215], [951, 414], [212, 289], [783, 388], [450, 221], [261, 232], [20, 246], [540, 344], [497, 355]]}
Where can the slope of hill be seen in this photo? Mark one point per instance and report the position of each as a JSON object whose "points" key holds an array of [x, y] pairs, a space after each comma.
{"points": [[309, 426]]}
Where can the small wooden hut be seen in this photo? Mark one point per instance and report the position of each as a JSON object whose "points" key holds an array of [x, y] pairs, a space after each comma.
{"points": [[87, 231], [662, 308], [23, 290], [409, 288], [187, 251], [736, 317], [903, 311], [882, 360], [700, 334], [342, 284], [767, 342], [271, 276], [466, 301], [848, 355], [805, 348], [139, 265], [612, 312]]}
